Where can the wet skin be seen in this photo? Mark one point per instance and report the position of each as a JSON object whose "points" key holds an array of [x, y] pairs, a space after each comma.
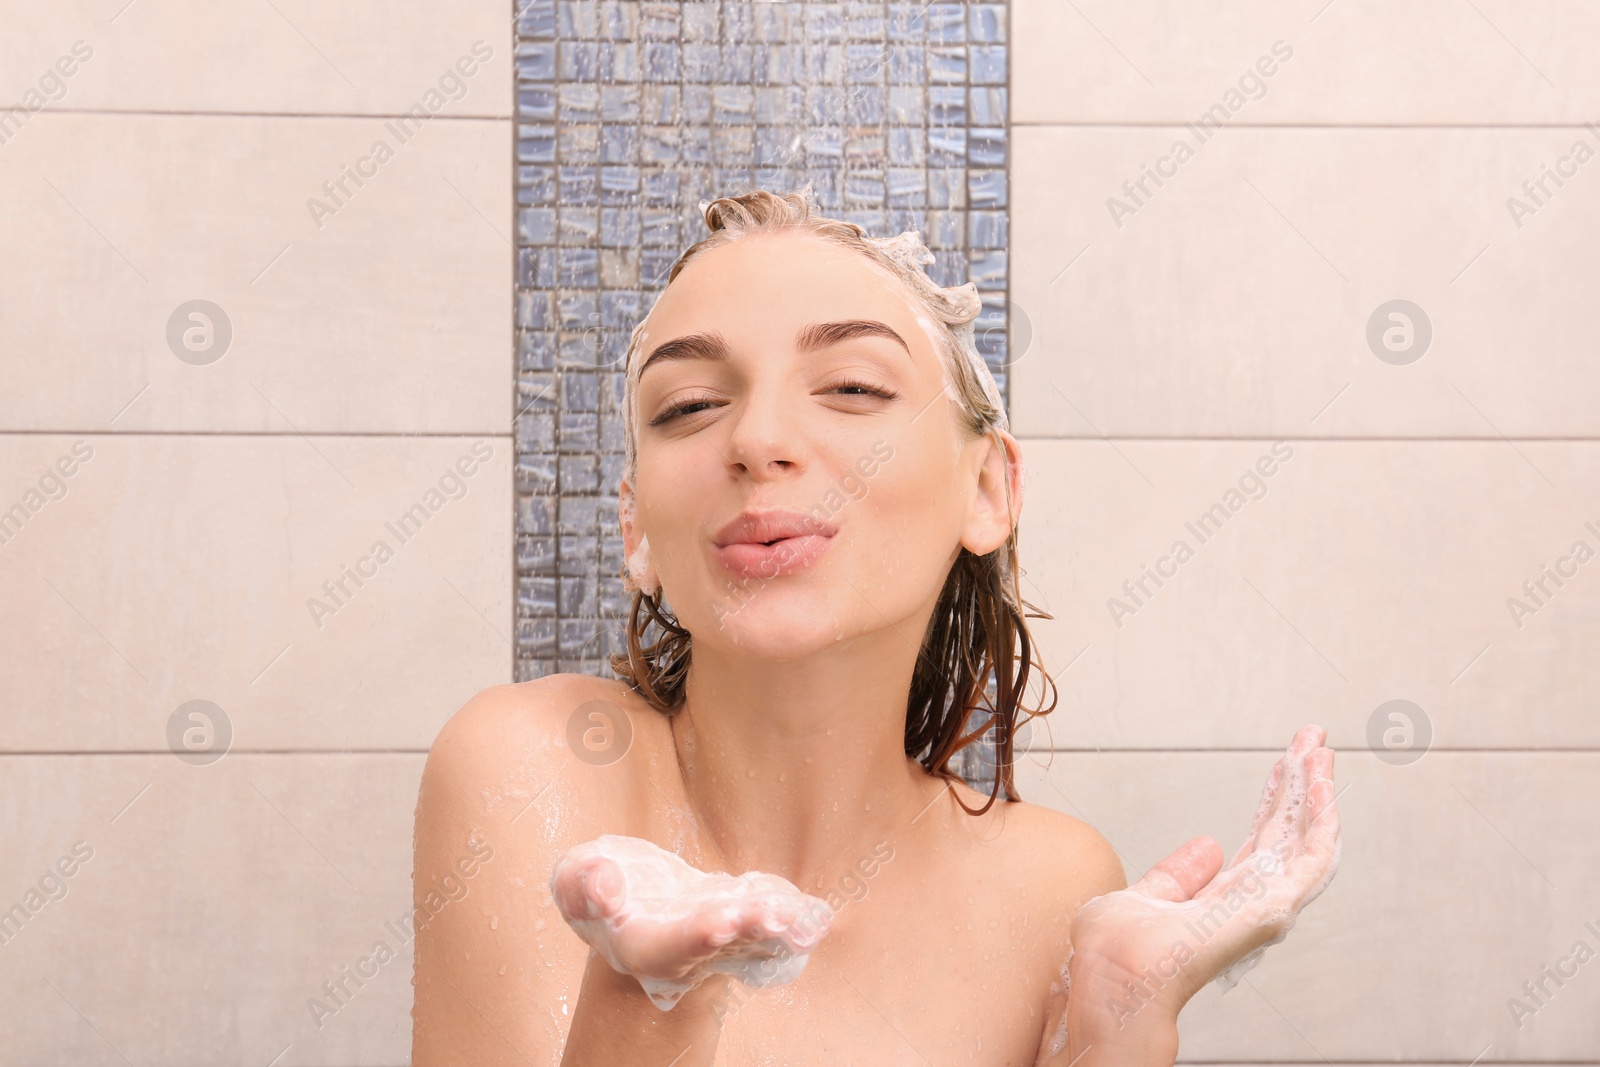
{"points": [[787, 754]]}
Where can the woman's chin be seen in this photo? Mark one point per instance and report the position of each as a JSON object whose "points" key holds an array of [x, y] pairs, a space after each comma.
{"points": [[778, 626]]}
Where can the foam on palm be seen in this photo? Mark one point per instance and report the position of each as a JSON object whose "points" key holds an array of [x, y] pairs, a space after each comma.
{"points": [[661, 889]]}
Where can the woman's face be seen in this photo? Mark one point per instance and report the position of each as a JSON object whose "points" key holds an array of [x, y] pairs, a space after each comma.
{"points": [[786, 377]]}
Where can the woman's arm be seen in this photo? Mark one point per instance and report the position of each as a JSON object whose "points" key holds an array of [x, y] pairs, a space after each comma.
{"points": [[500, 977], [1140, 953]]}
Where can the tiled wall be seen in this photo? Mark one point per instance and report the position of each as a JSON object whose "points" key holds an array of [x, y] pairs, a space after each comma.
{"points": [[630, 114], [222, 491], [1358, 153]]}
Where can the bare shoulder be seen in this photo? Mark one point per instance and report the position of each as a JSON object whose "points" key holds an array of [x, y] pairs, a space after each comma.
{"points": [[1063, 852], [503, 792], [533, 711], [554, 743]]}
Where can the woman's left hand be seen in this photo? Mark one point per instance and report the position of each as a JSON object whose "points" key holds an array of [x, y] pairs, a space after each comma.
{"points": [[1140, 953]]}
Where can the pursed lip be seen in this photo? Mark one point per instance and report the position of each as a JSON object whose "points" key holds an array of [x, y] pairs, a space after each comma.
{"points": [[761, 527], [766, 544]]}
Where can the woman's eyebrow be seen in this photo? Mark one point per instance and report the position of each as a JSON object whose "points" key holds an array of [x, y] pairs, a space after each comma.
{"points": [[823, 334], [709, 346], [712, 346]]}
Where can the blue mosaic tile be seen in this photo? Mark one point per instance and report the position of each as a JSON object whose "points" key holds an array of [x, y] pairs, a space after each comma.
{"points": [[536, 19], [536, 62], [536, 144], [908, 64], [986, 189], [908, 22], [537, 226], [540, 593], [947, 23], [579, 185], [987, 64], [536, 185], [988, 106], [701, 63], [536, 350], [702, 22], [536, 473], [986, 23], [988, 269], [577, 19], [696, 106], [577, 226], [824, 22], [905, 106], [536, 432], [823, 63], [987, 147], [536, 103], [576, 516], [908, 146], [866, 22], [733, 105], [947, 145], [769, 22], [944, 230], [619, 184], [947, 106], [535, 516], [578, 61], [947, 65], [986, 229]]}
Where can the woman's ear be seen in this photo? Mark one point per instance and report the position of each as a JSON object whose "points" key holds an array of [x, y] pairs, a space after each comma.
{"points": [[640, 572], [997, 496]]}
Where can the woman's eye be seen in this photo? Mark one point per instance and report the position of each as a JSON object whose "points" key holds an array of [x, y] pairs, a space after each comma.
{"points": [[682, 407], [854, 388]]}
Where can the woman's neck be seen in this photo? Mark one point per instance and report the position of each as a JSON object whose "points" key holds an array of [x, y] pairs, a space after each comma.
{"points": [[794, 767]]}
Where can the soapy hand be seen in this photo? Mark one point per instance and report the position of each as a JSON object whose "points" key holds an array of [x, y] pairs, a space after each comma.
{"points": [[651, 915], [1152, 946]]}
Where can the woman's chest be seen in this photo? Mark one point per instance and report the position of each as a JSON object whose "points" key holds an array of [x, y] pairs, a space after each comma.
{"points": [[899, 983]]}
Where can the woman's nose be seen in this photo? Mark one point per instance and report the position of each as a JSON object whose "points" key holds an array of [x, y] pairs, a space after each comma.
{"points": [[763, 440]]}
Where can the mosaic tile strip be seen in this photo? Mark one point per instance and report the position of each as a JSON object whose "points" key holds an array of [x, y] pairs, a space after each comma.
{"points": [[629, 114]]}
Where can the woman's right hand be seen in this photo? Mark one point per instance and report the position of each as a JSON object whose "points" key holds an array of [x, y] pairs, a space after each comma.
{"points": [[652, 916]]}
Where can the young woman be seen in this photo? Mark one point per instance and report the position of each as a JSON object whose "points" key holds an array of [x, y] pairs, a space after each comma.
{"points": [[819, 512]]}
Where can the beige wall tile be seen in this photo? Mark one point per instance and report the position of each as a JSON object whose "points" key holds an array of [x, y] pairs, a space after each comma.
{"points": [[178, 568], [285, 57], [214, 904], [1353, 61], [1236, 300], [392, 315], [1357, 573], [296, 863], [1461, 876]]}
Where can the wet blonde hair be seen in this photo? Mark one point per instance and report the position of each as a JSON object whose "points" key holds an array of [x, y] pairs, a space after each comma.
{"points": [[978, 637]]}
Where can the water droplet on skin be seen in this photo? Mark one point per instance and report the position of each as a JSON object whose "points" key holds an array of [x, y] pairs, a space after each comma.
{"points": [[502, 968], [494, 922], [783, 777]]}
